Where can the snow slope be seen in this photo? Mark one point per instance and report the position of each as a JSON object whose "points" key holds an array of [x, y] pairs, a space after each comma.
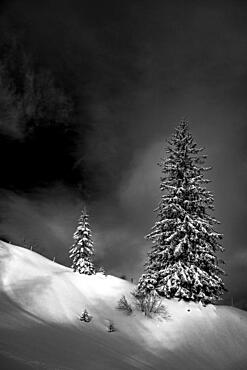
{"points": [[40, 304]]}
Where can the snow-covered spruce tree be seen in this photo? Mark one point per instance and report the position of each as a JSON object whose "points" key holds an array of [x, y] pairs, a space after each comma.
{"points": [[183, 263], [82, 252]]}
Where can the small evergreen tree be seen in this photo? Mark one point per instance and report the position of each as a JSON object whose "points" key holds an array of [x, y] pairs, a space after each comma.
{"points": [[111, 328], [183, 262], [82, 252], [85, 316], [101, 270]]}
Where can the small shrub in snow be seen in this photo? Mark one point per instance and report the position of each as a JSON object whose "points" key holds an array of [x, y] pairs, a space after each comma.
{"points": [[85, 316], [101, 270], [124, 305], [151, 303], [111, 328]]}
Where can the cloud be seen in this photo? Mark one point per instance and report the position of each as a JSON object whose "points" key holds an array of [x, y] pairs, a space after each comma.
{"points": [[141, 183], [240, 258], [45, 219]]}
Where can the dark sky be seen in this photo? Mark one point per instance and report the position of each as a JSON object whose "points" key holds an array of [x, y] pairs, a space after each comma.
{"points": [[134, 69]]}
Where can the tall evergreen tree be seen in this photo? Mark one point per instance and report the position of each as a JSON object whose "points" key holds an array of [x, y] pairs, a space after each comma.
{"points": [[182, 262], [82, 251]]}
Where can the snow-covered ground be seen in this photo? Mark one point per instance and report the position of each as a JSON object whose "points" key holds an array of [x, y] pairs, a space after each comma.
{"points": [[40, 305]]}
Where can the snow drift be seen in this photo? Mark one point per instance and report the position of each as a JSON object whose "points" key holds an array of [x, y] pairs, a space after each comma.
{"points": [[41, 302]]}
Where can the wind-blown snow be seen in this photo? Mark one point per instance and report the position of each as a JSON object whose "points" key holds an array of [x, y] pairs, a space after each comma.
{"points": [[40, 305]]}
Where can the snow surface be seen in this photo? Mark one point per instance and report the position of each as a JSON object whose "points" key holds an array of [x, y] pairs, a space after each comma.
{"points": [[41, 302]]}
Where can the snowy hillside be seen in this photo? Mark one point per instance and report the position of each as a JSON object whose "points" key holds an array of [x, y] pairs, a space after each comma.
{"points": [[39, 324]]}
